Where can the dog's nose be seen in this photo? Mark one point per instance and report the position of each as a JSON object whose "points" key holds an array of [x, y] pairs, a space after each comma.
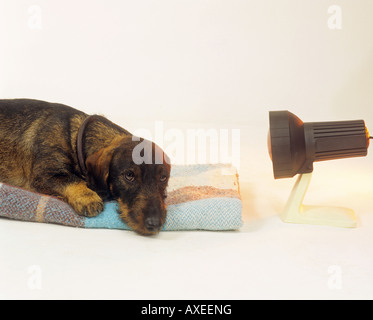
{"points": [[152, 224]]}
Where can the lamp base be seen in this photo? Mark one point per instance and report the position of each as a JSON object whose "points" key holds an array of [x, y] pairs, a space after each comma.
{"points": [[296, 212]]}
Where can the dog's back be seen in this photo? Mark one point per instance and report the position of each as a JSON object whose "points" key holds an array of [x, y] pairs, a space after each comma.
{"points": [[18, 116], [28, 128]]}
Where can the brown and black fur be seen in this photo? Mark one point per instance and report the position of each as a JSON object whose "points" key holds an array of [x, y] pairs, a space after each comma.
{"points": [[38, 153]]}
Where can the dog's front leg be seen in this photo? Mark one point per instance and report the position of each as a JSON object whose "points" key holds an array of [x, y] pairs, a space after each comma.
{"points": [[72, 190], [83, 200]]}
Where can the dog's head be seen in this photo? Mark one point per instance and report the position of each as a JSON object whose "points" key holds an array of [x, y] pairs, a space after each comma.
{"points": [[135, 172]]}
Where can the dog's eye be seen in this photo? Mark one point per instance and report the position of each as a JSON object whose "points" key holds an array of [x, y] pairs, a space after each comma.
{"points": [[163, 178], [130, 176]]}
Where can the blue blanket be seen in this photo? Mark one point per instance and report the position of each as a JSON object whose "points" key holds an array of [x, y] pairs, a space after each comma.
{"points": [[200, 197]]}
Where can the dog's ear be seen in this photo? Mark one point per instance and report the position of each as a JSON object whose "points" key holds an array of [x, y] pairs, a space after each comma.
{"points": [[98, 167]]}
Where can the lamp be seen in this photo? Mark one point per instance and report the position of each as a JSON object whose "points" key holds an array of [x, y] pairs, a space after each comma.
{"points": [[294, 146]]}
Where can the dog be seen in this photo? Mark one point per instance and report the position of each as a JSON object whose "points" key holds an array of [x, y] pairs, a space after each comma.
{"points": [[54, 149]]}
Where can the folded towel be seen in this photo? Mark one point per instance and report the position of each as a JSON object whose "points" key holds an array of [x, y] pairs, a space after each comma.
{"points": [[200, 197]]}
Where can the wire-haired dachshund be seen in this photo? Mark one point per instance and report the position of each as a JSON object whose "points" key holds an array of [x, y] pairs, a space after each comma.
{"points": [[54, 149]]}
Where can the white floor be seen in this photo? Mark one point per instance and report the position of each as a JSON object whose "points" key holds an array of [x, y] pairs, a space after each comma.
{"points": [[266, 258]]}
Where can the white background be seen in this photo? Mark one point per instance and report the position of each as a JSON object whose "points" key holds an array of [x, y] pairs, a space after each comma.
{"points": [[208, 64]]}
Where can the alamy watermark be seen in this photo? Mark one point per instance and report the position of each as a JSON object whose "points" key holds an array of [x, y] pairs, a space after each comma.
{"points": [[335, 17], [34, 281], [35, 20], [190, 146], [335, 277]]}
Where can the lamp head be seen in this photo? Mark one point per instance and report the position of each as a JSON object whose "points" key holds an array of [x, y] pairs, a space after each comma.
{"points": [[294, 146]]}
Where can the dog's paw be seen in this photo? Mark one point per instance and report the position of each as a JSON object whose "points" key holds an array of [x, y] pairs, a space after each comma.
{"points": [[83, 200], [88, 206]]}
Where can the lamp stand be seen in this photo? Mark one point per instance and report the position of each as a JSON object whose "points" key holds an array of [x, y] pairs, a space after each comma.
{"points": [[296, 212]]}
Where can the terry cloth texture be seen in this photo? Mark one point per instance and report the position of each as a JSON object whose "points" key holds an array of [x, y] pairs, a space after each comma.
{"points": [[200, 197]]}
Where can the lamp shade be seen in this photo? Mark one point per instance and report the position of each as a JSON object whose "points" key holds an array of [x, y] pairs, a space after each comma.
{"points": [[294, 145]]}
